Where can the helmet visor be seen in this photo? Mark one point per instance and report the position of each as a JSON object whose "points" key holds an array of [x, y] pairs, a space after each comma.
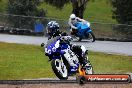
{"points": [[72, 18]]}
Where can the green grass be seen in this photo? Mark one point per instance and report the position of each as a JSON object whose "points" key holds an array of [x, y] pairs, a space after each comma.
{"points": [[19, 61], [23, 62], [109, 63], [3, 6], [98, 11]]}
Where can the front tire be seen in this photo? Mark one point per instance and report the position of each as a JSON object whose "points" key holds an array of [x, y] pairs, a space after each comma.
{"points": [[59, 69], [91, 37]]}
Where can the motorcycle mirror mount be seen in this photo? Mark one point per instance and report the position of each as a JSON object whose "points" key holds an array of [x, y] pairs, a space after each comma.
{"points": [[42, 44], [86, 52]]}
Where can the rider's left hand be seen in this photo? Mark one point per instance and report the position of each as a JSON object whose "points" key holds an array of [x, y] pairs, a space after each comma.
{"points": [[84, 22]]}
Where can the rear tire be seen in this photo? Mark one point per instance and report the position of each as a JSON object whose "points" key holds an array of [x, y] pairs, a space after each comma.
{"points": [[80, 39], [59, 69]]}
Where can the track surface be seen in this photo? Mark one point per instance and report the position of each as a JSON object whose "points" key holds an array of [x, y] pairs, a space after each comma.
{"points": [[58, 84], [64, 85], [101, 46]]}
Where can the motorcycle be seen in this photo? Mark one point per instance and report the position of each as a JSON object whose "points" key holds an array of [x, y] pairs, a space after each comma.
{"points": [[83, 31], [64, 61]]}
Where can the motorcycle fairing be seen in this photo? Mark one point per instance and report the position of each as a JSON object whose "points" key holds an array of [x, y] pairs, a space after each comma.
{"points": [[56, 50], [83, 29], [72, 60]]}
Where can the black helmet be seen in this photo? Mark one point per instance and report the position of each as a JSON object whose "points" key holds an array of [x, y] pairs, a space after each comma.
{"points": [[53, 26], [53, 29]]}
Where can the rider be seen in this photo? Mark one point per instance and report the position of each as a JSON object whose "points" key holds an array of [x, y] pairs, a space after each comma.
{"points": [[82, 54], [83, 57], [72, 22], [53, 29]]}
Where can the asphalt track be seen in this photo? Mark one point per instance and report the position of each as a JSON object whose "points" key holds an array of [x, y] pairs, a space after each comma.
{"points": [[55, 81], [111, 47]]}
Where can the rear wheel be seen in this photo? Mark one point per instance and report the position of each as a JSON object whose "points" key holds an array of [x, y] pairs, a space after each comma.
{"points": [[80, 39], [59, 69]]}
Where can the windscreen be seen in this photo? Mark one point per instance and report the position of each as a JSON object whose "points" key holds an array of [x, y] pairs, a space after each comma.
{"points": [[52, 40]]}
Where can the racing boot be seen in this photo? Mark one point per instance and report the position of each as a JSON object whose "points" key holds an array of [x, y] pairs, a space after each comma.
{"points": [[88, 68], [87, 65]]}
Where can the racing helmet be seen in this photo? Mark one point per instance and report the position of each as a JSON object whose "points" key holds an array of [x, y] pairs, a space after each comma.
{"points": [[72, 16], [52, 27]]}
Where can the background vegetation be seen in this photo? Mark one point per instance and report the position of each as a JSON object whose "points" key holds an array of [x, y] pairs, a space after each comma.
{"points": [[122, 12], [99, 11]]}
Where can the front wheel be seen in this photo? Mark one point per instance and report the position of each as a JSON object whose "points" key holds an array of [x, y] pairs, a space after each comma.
{"points": [[91, 37], [59, 69]]}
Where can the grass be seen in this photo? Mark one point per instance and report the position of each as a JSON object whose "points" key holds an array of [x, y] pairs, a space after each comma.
{"points": [[3, 6], [19, 61], [109, 63], [97, 11], [23, 62]]}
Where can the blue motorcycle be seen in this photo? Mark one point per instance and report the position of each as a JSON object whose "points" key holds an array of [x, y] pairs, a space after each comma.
{"points": [[84, 32], [63, 60]]}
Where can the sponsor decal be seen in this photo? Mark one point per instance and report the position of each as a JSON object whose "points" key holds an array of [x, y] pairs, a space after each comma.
{"points": [[109, 78]]}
